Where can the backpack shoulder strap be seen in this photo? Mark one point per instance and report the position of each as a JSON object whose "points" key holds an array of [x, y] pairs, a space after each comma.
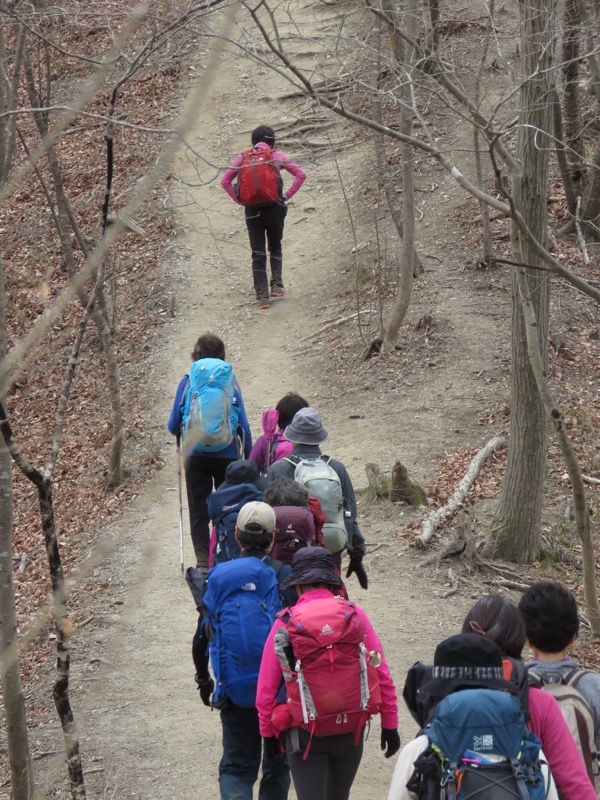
{"points": [[574, 675], [274, 563], [295, 460]]}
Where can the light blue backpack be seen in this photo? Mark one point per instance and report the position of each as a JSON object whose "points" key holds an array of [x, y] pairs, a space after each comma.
{"points": [[210, 415]]}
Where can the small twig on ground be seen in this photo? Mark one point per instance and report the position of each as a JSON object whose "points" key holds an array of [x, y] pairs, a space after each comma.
{"points": [[331, 325], [519, 587]]}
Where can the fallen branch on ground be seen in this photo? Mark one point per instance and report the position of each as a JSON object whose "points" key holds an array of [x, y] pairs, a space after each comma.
{"points": [[441, 514]]}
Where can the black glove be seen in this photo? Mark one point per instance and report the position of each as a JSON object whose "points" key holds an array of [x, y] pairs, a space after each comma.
{"points": [[206, 687], [390, 738], [272, 748], [357, 568]]}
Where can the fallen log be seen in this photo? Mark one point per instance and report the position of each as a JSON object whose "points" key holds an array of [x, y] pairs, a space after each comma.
{"points": [[439, 515]]}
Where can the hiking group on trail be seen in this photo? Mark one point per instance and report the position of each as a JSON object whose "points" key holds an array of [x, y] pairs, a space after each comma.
{"points": [[298, 671], [298, 668]]}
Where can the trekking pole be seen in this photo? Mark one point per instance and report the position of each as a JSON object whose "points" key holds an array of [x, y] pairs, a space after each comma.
{"points": [[180, 503]]}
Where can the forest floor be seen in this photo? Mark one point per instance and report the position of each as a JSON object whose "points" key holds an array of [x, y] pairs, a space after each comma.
{"points": [[432, 404]]}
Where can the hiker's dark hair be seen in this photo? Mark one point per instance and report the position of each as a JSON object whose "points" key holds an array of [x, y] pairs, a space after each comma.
{"points": [[254, 541], [549, 612], [287, 407], [499, 619], [265, 134], [285, 492], [208, 346]]}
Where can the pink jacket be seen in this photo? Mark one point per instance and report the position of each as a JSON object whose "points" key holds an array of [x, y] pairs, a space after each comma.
{"points": [[271, 676], [566, 765], [281, 162]]}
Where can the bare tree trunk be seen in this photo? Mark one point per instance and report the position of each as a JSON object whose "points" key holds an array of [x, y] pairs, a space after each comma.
{"points": [[483, 207], [407, 269], [563, 162], [62, 623], [19, 754], [514, 533], [582, 517], [64, 219]]}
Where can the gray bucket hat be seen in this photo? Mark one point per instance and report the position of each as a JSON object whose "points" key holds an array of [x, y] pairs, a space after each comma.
{"points": [[306, 428]]}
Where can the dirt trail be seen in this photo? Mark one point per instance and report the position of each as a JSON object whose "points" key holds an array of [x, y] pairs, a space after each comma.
{"points": [[140, 715]]}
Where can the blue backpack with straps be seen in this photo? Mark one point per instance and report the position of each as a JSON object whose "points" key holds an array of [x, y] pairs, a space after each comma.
{"points": [[479, 747], [209, 415], [223, 508], [241, 602]]}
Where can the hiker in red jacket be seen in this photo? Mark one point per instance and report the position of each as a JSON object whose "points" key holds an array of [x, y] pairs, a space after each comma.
{"points": [[260, 189]]}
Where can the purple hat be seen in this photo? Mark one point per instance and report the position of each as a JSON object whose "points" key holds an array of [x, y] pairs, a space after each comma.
{"points": [[313, 565]]}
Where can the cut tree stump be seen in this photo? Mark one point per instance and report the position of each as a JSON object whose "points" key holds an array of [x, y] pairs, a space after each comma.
{"points": [[403, 489]]}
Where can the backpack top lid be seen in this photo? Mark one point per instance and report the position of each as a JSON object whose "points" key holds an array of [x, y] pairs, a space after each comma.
{"points": [[270, 422], [486, 721], [213, 372]]}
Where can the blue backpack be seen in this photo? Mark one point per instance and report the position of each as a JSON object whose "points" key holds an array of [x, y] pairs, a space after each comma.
{"points": [[223, 508], [479, 746], [241, 602], [210, 416]]}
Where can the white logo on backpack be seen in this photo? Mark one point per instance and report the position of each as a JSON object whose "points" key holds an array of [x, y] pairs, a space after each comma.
{"points": [[321, 481]]}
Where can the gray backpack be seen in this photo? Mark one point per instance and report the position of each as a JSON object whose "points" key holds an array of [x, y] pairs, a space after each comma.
{"points": [[321, 481], [577, 713]]}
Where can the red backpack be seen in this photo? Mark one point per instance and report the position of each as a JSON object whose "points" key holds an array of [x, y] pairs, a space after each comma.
{"points": [[294, 529], [332, 686], [259, 182]]}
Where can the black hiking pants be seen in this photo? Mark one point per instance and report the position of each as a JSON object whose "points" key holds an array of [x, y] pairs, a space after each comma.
{"points": [[329, 770], [201, 474], [265, 231]]}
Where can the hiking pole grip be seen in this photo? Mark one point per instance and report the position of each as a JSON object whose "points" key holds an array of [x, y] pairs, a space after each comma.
{"points": [[180, 504]]}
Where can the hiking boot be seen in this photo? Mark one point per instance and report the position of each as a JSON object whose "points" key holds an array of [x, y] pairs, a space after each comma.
{"points": [[263, 302], [277, 291]]}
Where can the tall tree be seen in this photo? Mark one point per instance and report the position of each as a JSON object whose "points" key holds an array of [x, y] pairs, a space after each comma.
{"points": [[516, 525]]}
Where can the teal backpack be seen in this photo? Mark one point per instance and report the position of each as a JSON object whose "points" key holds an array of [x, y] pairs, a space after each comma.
{"points": [[210, 416]]}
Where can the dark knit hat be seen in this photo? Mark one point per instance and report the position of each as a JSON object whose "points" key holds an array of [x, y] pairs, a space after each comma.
{"points": [[465, 661]]}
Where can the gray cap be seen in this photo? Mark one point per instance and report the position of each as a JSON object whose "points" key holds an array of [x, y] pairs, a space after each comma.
{"points": [[306, 428]]}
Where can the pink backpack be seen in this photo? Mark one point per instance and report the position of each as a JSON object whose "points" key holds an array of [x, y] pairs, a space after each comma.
{"points": [[331, 685], [278, 446]]}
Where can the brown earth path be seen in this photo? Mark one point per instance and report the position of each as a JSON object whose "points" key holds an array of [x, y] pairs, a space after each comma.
{"points": [[144, 731]]}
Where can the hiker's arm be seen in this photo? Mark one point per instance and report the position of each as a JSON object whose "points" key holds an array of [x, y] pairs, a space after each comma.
{"points": [[174, 423], [229, 177], [243, 424], [566, 765], [297, 172], [357, 540], [389, 700], [404, 769], [269, 681]]}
